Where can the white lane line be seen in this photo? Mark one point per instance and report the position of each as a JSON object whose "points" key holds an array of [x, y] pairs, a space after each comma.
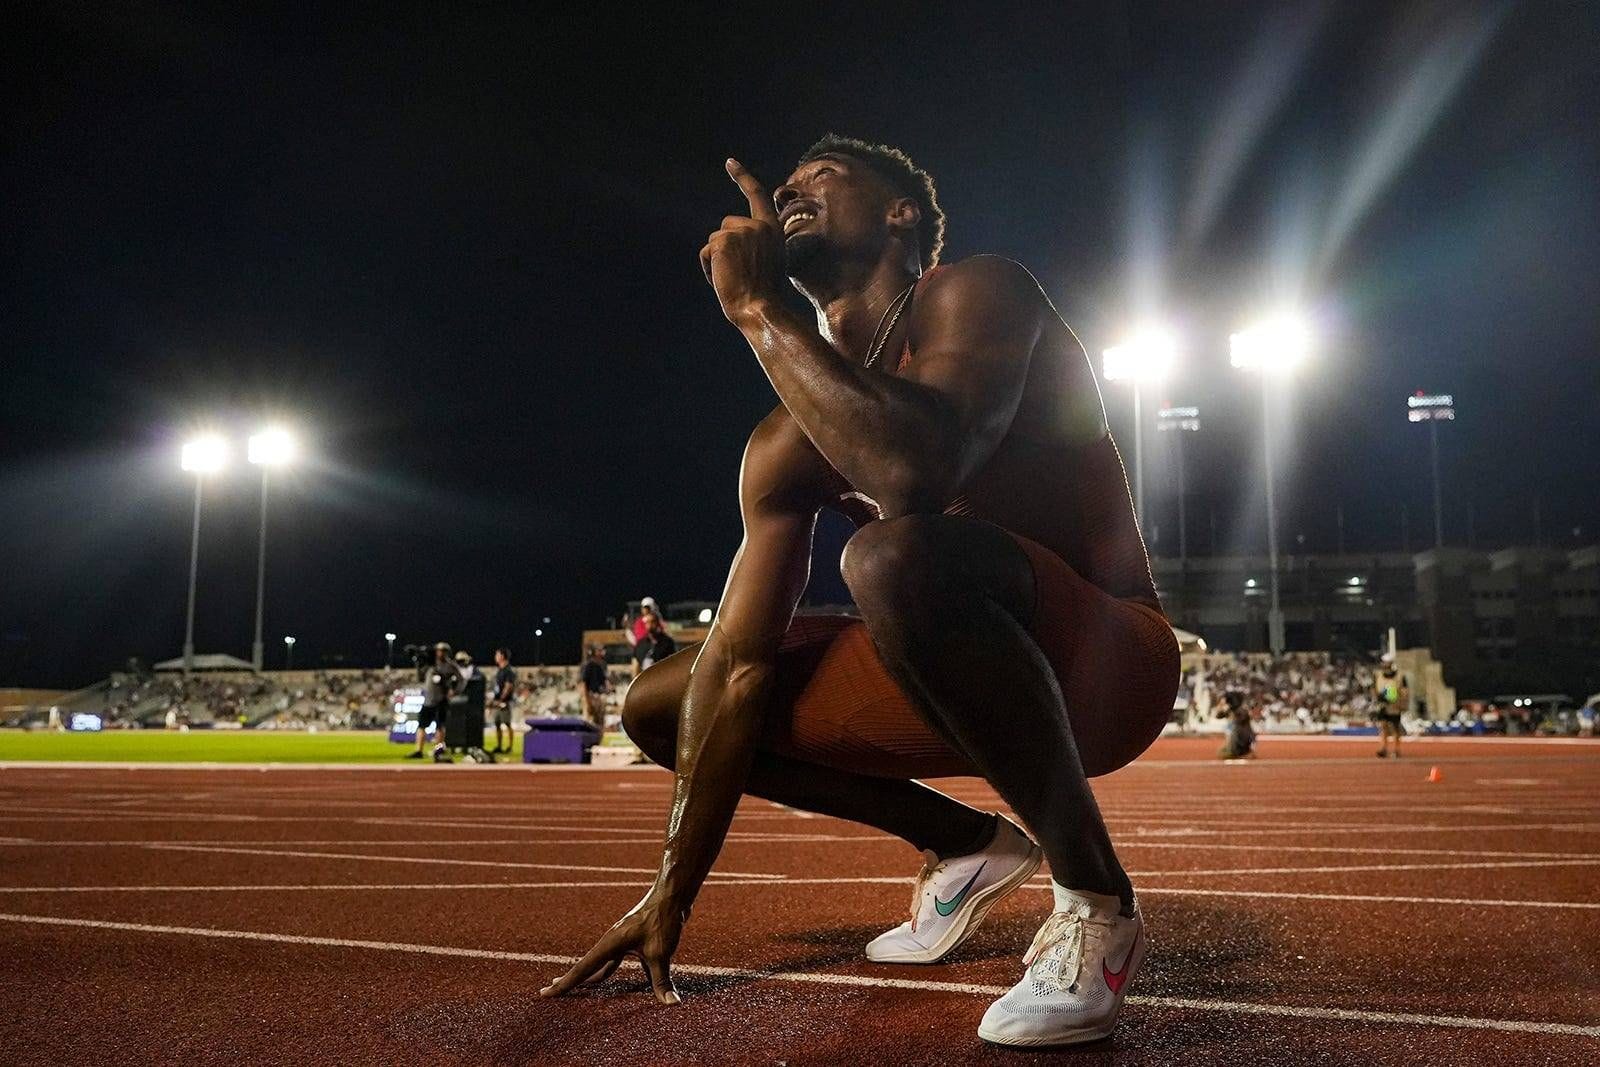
{"points": [[769, 883], [441, 860], [1470, 902], [1206, 846], [824, 978], [1373, 829], [25, 890], [1371, 867], [735, 837]]}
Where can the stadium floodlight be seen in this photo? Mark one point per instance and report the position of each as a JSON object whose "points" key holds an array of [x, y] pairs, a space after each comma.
{"points": [[288, 653], [205, 454], [1433, 409], [272, 447], [1148, 355], [1272, 347], [200, 456], [538, 645], [1180, 420], [388, 661]]}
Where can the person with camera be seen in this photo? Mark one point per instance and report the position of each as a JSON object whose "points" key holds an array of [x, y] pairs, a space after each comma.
{"points": [[440, 680], [505, 689]]}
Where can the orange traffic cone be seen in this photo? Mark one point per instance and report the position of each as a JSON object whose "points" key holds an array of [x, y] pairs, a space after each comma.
{"points": [[1435, 774]]}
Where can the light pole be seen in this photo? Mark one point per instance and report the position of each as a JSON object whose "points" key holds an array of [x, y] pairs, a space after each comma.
{"points": [[288, 653], [388, 658], [1272, 349], [538, 647], [202, 456], [1147, 356], [1180, 420], [270, 448], [1433, 409]]}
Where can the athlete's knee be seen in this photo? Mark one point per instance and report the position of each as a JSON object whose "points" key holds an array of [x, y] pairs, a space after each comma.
{"points": [[650, 717], [888, 562]]}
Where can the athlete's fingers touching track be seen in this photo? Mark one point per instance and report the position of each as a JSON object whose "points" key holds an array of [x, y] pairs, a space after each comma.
{"points": [[596, 965], [761, 208], [661, 980]]}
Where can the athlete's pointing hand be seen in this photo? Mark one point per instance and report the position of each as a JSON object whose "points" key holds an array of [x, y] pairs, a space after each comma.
{"points": [[743, 260]]}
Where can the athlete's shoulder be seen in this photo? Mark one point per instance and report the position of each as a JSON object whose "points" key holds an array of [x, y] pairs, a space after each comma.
{"points": [[992, 274]]}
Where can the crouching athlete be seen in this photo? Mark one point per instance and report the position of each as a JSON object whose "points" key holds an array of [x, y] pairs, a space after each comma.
{"points": [[1009, 625]]}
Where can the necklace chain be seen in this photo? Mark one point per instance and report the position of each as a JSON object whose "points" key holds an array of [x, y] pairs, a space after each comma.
{"points": [[880, 336]]}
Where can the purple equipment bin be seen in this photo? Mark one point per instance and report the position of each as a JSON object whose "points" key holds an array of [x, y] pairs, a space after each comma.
{"points": [[559, 740]]}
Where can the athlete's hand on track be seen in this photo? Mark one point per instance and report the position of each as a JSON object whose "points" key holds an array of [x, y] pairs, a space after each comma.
{"points": [[743, 260], [650, 931]]}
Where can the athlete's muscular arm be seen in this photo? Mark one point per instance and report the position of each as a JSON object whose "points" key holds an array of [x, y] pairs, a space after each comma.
{"points": [[910, 442], [780, 487]]}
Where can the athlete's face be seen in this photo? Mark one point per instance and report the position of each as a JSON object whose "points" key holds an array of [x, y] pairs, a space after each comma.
{"points": [[831, 208]]}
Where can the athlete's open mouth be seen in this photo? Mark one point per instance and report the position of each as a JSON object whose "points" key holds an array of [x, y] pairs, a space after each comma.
{"points": [[797, 215]]}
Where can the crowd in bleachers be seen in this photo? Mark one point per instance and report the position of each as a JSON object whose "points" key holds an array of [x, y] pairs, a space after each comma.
{"points": [[330, 700], [1305, 690]]}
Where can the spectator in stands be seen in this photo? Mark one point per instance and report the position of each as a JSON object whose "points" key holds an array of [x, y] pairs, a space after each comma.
{"points": [[637, 631], [1394, 698], [661, 643], [593, 685], [505, 691], [440, 681]]}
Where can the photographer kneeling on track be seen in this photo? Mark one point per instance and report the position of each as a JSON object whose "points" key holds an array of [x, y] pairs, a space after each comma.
{"points": [[440, 681]]}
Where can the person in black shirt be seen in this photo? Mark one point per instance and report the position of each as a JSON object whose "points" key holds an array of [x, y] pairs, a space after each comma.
{"points": [[505, 688], [440, 681], [593, 685]]}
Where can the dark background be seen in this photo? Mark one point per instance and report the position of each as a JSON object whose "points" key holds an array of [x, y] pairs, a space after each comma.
{"points": [[457, 249]]}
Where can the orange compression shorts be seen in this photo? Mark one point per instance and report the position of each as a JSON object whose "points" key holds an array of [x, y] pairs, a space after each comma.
{"points": [[1116, 662]]}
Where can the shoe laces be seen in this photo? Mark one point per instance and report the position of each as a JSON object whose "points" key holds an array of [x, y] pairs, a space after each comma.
{"points": [[931, 865], [1055, 959]]}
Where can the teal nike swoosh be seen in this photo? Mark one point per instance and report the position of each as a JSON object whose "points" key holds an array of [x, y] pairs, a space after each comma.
{"points": [[945, 907]]}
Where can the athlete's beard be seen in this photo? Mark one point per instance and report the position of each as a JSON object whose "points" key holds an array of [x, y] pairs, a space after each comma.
{"points": [[806, 256]]}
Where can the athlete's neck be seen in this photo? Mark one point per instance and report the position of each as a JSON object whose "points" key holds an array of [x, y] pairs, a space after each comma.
{"points": [[851, 308]]}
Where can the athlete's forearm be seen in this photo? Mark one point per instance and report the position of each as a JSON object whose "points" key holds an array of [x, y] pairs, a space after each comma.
{"points": [[723, 709], [885, 434]]}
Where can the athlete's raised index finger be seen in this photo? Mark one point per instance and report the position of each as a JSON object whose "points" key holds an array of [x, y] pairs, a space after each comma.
{"points": [[761, 207]]}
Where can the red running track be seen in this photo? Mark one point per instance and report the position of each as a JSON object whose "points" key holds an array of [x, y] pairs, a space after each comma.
{"points": [[1313, 906]]}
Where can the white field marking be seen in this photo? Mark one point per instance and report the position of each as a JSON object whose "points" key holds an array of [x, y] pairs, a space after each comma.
{"points": [[734, 837], [1469, 902], [1373, 829], [1370, 867], [25, 890], [1206, 846], [1037, 884], [860, 981], [441, 860]]}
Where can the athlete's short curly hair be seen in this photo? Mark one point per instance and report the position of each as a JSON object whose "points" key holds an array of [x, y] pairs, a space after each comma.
{"points": [[895, 167]]}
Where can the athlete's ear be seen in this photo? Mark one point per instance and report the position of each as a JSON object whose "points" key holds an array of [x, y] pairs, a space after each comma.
{"points": [[905, 212]]}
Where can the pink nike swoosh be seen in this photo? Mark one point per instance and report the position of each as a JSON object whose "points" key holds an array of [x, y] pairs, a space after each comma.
{"points": [[1115, 980]]}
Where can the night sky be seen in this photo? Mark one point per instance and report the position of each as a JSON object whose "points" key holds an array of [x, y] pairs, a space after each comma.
{"points": [[458, 252]]}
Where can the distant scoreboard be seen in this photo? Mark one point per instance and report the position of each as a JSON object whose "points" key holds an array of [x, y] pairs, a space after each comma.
{"points": [[407, 705]]}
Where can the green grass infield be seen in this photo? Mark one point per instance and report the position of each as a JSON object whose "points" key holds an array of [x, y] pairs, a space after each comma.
{"points": [[202, 746]]}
